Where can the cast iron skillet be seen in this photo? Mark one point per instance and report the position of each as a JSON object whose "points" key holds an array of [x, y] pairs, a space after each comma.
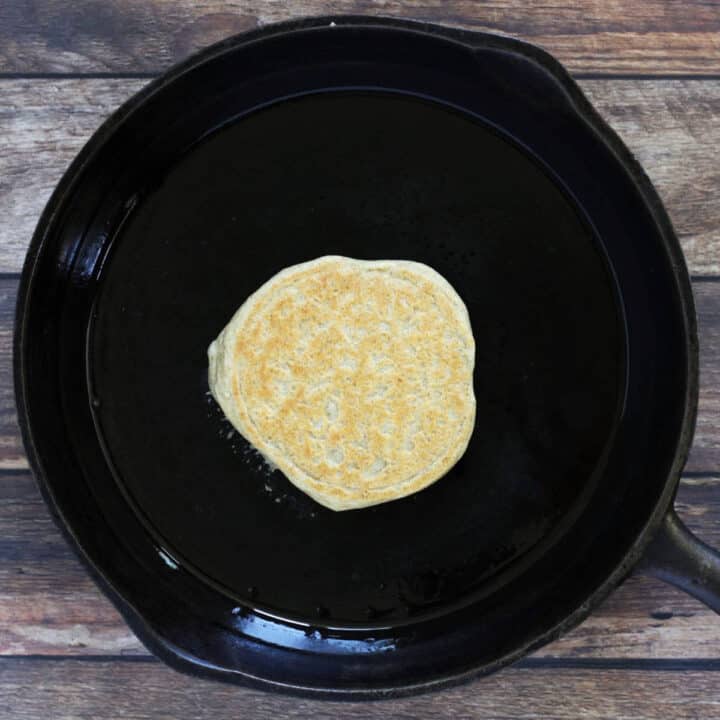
{"points": [[373, 139]]}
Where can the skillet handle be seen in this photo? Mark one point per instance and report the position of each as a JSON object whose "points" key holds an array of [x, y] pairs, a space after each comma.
{"points": [[676, 556]]}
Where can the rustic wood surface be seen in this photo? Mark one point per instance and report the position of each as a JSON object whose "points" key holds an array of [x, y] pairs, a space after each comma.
{"points": [[145, 690], [652, 68], [139, 36]]}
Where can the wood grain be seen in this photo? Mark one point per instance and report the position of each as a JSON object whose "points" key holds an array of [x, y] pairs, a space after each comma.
{"points": [[671, 125], [705, 453], [672, 128], [704, 456], [11, 450], [64, 689], [654, 36], [49, 605]]}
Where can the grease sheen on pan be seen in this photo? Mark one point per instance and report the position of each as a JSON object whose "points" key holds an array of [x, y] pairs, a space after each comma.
{"points": [[354, 377]]}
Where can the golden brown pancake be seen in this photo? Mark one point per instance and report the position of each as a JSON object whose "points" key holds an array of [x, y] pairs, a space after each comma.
{"points": [[354, 377]]}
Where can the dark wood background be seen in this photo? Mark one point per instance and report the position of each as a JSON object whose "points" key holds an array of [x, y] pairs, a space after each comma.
{"points": [[651, 67]]}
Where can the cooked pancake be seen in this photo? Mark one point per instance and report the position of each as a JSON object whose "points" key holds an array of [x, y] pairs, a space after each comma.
{"points": [[354, 377]]}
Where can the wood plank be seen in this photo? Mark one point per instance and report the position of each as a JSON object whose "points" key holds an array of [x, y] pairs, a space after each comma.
{"points": [[704, 456], [705, 452], [654, 36], [148, 690], [49, 605], [12, 454], [44, 125], [672, 128], [671, 125]]}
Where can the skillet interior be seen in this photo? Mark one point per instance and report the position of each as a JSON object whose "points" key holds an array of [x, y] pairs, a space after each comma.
{"points": [[369, 176]]}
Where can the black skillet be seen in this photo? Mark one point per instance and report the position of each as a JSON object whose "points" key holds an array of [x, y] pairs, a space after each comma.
{"points": [[373, 139]]}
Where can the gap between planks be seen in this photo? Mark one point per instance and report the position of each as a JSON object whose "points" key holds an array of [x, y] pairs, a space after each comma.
{"points": [[526, 663]]}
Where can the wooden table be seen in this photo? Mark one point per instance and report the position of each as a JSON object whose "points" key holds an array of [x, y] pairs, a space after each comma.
{"points": [[651, 67]]}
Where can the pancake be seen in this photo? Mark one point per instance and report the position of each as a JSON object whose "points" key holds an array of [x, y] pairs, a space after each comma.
{"points": [[353, 377]]}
